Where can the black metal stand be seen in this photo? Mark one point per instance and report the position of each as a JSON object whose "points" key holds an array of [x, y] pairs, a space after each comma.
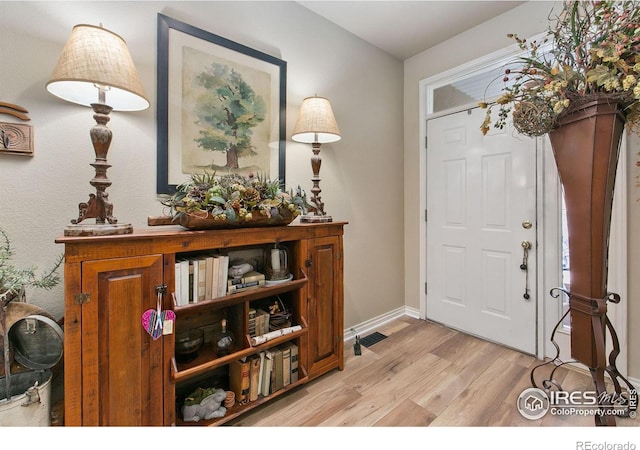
{"points": [[627, 400]]}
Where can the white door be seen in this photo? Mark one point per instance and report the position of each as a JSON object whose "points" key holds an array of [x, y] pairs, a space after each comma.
{"points": [[480, 190]]}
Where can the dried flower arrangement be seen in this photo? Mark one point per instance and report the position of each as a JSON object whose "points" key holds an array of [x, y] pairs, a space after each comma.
{"points": [[590, 51]]}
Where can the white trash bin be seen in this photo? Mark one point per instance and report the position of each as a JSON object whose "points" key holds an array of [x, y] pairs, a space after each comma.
{"points": [[37, 344], [28, 406]]}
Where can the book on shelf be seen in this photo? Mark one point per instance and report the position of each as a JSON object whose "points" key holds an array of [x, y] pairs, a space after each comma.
{"points": [[195, 273], [252, 322], [246, 278], [276, 372], [267, 369], [177, 285], [223, 274], [286, 365], [290, 370], [254, 376], [294, 362], [261, 374], [215, 276], [201, 277], [193, 282], [239, 379], [201, 265], [245, 286], [262, 322], [185, 282], [208, 291]]}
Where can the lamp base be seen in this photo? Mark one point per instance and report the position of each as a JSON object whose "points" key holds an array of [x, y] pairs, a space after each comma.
{"points": [[315, 219], [97, 229]]}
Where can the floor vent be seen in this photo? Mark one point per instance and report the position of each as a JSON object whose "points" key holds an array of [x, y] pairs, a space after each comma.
{"points": [[371, 339]]}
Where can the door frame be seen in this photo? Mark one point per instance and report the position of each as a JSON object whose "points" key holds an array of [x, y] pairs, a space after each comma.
{"points": [[548, 310]]}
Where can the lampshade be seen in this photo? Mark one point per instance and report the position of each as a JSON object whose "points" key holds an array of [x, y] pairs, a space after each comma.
{"points": [[316, 122], [94, 56]]}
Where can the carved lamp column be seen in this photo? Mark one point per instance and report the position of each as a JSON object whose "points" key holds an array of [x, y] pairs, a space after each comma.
{"points": [[94, 62], [316, 125]]}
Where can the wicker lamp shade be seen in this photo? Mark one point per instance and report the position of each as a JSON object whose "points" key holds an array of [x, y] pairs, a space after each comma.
{"points": [[96, 57], [95, 69], [316, 122], [316, 125]]}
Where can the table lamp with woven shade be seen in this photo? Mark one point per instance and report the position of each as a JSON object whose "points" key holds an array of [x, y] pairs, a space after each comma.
{"points": [[316, 125], [95, 64]]}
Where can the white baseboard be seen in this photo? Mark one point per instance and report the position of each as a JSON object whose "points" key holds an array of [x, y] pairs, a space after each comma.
{"points": [[362, 329]]}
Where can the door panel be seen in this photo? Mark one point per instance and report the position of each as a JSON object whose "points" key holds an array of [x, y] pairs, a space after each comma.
{"points": [[479, 190], [122, 364], [326, 310]]}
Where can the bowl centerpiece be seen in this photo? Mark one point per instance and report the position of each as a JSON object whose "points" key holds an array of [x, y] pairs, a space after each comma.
{"points": [[207, 201]]}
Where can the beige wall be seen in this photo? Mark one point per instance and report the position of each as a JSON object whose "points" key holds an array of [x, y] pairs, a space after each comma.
{"points": [[361, 174], [489, 37]]}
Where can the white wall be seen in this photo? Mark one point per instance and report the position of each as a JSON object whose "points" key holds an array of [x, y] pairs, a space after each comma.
{"points": [[361, 174]]}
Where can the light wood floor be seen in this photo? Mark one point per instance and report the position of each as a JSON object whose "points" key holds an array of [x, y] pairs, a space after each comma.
{"points": [[422, 374]]}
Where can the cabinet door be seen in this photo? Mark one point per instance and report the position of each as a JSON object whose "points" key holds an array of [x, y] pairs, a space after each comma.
{"points": [[121, 363], [326, 308]]}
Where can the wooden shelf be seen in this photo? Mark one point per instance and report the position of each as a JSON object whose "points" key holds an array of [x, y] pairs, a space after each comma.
{"points": [[238, 410], [246, 296], [128, 271], [207, 358]]}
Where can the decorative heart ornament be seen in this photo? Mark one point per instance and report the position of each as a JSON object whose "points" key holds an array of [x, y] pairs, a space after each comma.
{"points": [[153, 322]]}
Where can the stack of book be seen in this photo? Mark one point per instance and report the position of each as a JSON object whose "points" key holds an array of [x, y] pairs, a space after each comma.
{"points": [[250, 280], [199, 278], [264, 373], [258, 322]]}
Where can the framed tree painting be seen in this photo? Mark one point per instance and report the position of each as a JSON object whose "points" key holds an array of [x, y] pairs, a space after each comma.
{"points": [[221, 107]]}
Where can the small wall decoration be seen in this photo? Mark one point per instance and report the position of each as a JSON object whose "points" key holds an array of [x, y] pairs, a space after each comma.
{"points": [[15, 138], [221, 107]]}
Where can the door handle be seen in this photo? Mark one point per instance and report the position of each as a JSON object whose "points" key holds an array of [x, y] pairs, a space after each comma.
{"points": [[526, 246]]}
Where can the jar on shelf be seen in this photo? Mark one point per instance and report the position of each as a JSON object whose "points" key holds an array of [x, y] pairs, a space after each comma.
{"points": [[276, 263], [223, 340]]}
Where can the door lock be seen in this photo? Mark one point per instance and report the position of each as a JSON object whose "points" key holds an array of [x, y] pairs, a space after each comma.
{"points": [[526, 224]]}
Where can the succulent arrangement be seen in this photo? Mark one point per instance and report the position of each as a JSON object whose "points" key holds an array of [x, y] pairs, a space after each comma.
{"points": [[235, 200]]}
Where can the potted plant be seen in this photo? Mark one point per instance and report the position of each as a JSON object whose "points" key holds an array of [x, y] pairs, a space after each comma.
{"points": [[13, 281], [580, 84]]}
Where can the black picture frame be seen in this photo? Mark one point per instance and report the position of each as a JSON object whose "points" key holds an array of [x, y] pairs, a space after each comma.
{"points": [[269, 71]]}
